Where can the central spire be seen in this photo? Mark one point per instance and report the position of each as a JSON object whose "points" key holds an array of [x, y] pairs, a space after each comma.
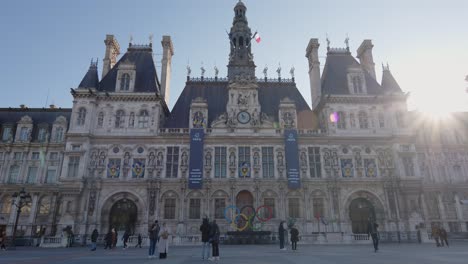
{"points": [[240, 36]]}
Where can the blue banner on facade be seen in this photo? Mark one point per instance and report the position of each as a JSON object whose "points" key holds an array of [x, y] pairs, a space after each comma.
{"points": [[196, 158], [292, 158]]}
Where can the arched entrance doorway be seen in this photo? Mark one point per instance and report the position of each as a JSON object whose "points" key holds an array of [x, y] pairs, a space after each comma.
{"points": [[244, 201], [360, 210], [123, 215]]}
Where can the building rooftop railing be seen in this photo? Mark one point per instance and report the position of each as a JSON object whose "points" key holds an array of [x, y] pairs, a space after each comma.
{"points": [[225, 79]]}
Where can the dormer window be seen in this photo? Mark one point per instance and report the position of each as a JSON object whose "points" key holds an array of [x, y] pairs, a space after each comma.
{"points": [[357, 85], [356, 81], [24, 134], [6, 133], [59, 134], [80, 121], [125, 82], [42, 134]]}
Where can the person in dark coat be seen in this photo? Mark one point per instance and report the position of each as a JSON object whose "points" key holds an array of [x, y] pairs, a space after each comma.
{"points": [[125, 238], [140, 240], [205, 232], [153, 237], [436, 234], [294, 237], [2, 240], [443, 237], [114, 237], [372, 231], [94, 237], [214, 239], [108, 240], [281, 231]]}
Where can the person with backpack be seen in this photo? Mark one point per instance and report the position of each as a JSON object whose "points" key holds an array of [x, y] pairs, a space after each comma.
{"points": [[214, 239], [294, 237], [205, 230]]}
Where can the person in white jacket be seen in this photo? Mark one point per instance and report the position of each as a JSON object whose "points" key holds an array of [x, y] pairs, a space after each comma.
{"points": [[163, 243]]}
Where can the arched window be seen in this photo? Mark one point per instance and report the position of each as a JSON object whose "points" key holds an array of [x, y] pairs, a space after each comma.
{"points": [[119, 119], [357, 85], [363, 120], [131, 120], [341, 122], [381, 120], [59, 134], [125, 82], [80, 121], [234, 42], [143, 119], [100, 120]]}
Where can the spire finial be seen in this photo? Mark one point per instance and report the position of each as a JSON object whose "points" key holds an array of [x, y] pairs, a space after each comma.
{"points": [[279, 70], [328, 43], [265, 71], [216, 71], [189, 70], [292, 72], [202, 69], [151, 38], [347, 42]]}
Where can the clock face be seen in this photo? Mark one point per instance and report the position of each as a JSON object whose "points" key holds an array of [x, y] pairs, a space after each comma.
{"points": [[243, 117]]}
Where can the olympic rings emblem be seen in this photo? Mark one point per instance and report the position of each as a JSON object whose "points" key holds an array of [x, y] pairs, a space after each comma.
{"points": [[247, 214]]}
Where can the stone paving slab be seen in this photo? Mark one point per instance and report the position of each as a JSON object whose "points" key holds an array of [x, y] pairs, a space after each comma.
{"points": [[246, 254]]}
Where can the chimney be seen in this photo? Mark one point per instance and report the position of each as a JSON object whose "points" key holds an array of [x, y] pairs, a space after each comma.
{"points": [[364, 54], [168, 52], [52, 106], [314, 71], [110, 57], [22, 106]]}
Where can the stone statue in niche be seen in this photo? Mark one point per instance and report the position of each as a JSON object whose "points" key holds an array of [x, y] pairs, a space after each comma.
{"points": [[288, 120], [159, 159], [127, 159], [243, 99], [93, 159], [255, 119], [232, 159], [358, 158], [92, 201], [303, 159], [184, 159], [208, 158], [280, 159], [198, 120], [256, 159], [102, 158], [151, 159]]}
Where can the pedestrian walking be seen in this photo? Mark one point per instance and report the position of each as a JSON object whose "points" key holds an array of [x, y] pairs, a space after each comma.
{"points": [[2, 240], [214, 239], [163, 243], [140, 240], [108, 239], [435, 234], [153, 237], [281, 231], [294, 237], [94, 237], [374, 233], [443, 237], [125, 238], [114, 238], [205, 232]]}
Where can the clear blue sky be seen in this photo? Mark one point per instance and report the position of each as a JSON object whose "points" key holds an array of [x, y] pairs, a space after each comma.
{"points": [[47, 45]]}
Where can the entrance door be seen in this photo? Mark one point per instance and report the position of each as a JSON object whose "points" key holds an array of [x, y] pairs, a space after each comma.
{"points": [[360, 210], [123, 216], [244, 201]]}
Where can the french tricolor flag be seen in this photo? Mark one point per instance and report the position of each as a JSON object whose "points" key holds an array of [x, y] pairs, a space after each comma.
{"points": [[257, 37]]}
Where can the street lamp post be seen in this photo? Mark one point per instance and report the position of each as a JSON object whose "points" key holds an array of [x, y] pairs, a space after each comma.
{"points": [[22, 197]]}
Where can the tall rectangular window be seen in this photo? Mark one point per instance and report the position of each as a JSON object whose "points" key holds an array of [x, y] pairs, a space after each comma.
{"points": [[24, 134], [294, 211], [244, 162], [195, 209], [54, 155], [73, 164], [314, 162], [50, 176], [32, 175], [220, 162], [35, 156], [172, 162], [6, 133], [318, 207], [220, 205], [268, 169], [408, 166], [41, 135], [17, 155], [14, 172], [169, 208], [270, 202]]}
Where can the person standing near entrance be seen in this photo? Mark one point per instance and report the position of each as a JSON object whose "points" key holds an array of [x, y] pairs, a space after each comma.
{"points": [[94, 237], [443, 237], [294, 237], [435, 234], [153, 237], [205, 232], [114, 238], [125, 238], [281, 231], [140, 240], [214, 238], [372, 231], [163, 243]]}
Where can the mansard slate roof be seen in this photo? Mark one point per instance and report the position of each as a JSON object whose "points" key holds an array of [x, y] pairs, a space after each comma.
{"points": [[146, 76], [216, 96], [388, 82], [334, 77], [91, 79], [38, 115]]}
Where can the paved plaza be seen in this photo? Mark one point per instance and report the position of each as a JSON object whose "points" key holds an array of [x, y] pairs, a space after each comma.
{"points": [[245, 254]]}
